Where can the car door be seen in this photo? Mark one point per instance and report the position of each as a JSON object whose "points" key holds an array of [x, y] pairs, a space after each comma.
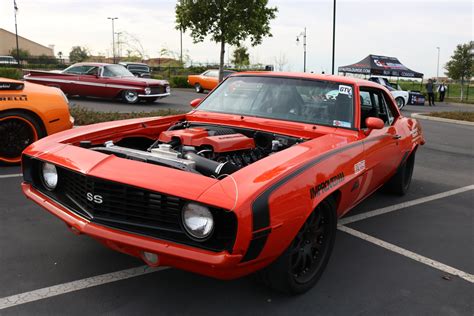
{"points": [[210, 79], [382, 148], [90, 82]]}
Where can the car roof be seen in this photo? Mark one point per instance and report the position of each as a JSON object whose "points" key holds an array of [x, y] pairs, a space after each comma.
{"points": [[92, 64], [132, 63], [302, 75]]}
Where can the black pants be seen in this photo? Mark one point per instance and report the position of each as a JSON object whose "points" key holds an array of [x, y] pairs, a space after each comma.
{"points": [[441, 96], [430, 98]]}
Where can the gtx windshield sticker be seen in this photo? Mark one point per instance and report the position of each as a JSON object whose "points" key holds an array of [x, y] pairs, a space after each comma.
{"points": [[359, 167], [341, 123], [326, 185], [5, 97], [345, 89]]}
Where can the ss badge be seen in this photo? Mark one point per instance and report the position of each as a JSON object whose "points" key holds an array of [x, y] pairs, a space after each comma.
{"points": [[94, 198]]}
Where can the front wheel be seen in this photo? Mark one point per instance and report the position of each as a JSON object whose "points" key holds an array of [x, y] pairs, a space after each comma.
{"points": [[17, 131], [130, 96], [198, 88], [400, 102], [301, 265]]}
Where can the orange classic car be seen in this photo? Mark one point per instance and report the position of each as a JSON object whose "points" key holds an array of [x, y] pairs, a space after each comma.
{"points": [[28, 112], [251, 180], [208, 80]]}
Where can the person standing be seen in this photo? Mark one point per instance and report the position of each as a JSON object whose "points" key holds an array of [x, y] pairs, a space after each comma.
{"points": [[429, 89], [442, 91]]}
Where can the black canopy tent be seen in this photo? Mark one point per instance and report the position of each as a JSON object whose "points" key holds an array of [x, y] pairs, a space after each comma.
{"points": [[380, 66]]}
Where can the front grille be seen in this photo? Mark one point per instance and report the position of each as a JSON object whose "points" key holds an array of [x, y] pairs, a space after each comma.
{"points": [[133, 209], [158, 90]]}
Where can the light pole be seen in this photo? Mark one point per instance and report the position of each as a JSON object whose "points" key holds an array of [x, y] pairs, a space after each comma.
{"points": [[15, 7], [333, 35], [437, 66], [304, 47], [119, 51], [113, 37]]}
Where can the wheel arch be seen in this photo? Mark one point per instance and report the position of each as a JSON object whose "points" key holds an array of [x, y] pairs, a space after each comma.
{"points": [[35, 115]]}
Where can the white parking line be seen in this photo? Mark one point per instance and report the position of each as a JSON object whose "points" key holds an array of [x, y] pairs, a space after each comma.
{"points": [[430, 262], [60, 289], [11, 175], [388, 209]]}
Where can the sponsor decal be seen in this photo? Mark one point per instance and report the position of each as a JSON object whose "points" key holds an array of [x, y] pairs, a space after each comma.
{"points": [[22, 97], [326, 185], [341, 123], [345, 89], [359, 167]]}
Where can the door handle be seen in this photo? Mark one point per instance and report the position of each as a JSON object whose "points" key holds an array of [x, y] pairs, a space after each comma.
{"points": [[397, 136]]}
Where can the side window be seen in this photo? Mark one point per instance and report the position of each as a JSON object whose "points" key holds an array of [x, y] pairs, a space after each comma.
{"points": [[205, 74], [387, 110], [75, 70]]}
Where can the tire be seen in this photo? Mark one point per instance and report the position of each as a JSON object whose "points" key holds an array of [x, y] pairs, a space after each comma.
{"points": [[130, 96], [198, 88], [400, 102], [400, 182], [17, 131], [299, 268]]}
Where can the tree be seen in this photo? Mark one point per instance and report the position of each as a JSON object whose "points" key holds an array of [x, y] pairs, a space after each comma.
{"points": [[24, 54], [460, 65], [226, 21], [241, 57], [78, 54], [280, 62]]}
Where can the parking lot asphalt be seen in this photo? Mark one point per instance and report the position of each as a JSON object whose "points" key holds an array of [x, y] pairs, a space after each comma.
{"points": [[363, 277]]}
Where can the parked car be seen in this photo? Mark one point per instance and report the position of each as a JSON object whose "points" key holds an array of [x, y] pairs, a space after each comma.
{"points": [[208, 80], [28, 112], [253, 179], [102, 80], [137, 69], [401, 96], [8, 60]]}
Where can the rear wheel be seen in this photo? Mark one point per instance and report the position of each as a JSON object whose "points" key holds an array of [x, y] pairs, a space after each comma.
{"points": [[130, 96], [400, 102], [400, 182], [301, 265], [198, 88], [17, 131]]}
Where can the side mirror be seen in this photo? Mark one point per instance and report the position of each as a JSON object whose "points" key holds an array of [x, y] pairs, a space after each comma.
{"points": [[374, 123], [194, 103]]}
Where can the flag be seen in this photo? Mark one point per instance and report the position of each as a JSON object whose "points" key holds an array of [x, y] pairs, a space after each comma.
{"points": [[15, 6]]}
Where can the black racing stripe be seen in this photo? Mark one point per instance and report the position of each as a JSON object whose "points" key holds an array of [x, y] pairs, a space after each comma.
{"points": [[255, 248], [260, 207]]}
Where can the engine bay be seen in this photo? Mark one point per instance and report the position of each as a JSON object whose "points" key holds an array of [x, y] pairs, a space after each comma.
{"points": [[210, 150]]}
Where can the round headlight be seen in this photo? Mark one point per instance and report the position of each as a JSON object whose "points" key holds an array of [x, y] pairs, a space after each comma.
{"points": [[147, 90], [50, 176], [198, 221], [168, 89]]}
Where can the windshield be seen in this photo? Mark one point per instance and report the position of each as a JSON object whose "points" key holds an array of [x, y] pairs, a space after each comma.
{"points": [[116, 71], [290, 99]]}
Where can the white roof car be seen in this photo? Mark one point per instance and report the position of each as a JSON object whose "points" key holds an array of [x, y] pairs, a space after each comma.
{"points": [[8, 60]]}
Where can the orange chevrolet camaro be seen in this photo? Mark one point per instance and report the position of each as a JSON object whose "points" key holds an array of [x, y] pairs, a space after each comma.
{"points": [[251, 180], [29, 112], [208, 80]]}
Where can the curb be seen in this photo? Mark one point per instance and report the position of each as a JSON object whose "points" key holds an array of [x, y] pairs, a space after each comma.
{"points": [[439, 119]]}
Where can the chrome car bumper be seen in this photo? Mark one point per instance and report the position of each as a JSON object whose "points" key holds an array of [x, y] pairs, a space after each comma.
{"points": [[154, 95]]}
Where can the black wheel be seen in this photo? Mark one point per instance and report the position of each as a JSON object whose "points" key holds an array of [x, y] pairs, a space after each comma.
{"points": [[17, 131], [400, 102], [198, 88], [130, 96], [301, 265], [400, 182]]}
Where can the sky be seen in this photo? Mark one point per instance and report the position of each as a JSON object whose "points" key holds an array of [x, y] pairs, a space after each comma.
{"points": [[408, 29]]}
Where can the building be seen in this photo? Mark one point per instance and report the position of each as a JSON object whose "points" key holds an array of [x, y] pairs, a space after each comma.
{"points": [[8, 42]]}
